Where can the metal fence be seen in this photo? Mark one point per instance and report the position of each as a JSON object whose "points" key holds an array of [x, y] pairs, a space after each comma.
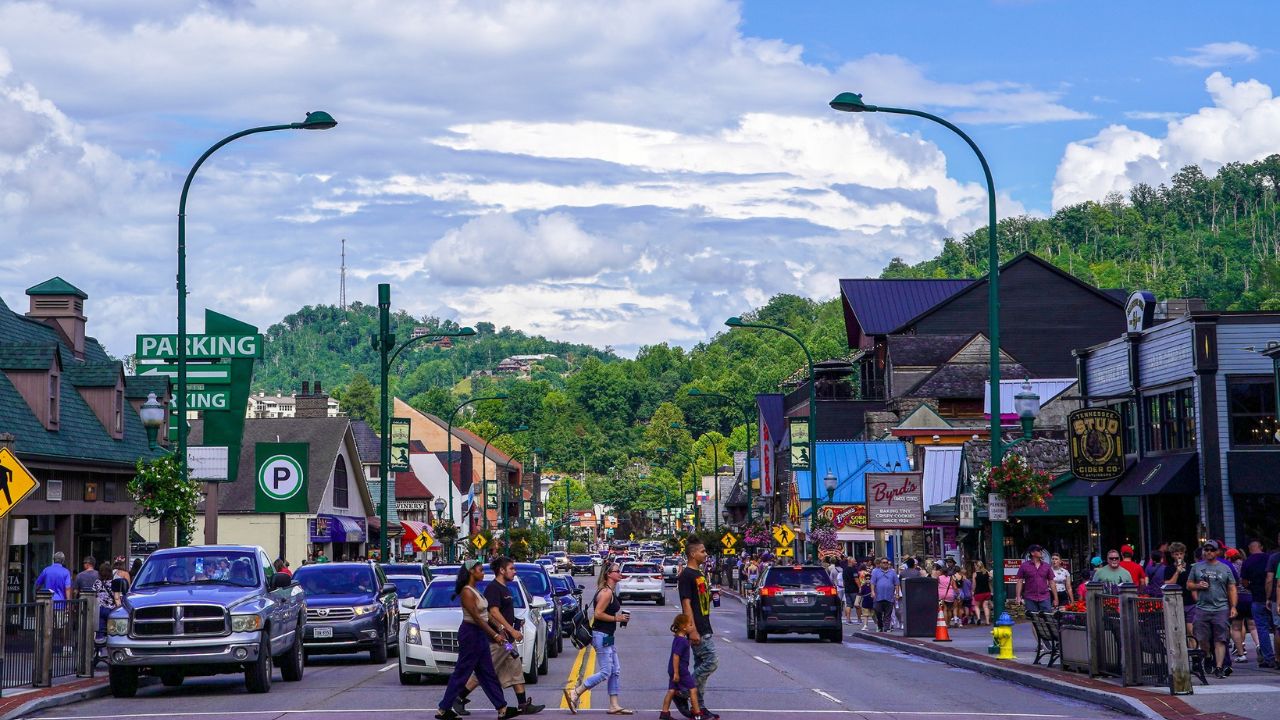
{"points": [[1109, 648], [66, 634], [43, 640], [1146, 639], [18, 663]]}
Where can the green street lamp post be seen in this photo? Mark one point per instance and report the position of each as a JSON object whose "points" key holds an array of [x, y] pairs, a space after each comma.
{"points": [[814, 502], [520, 512], [385, 341], [501, 492], [746, 418], [449, 453], [318, 120], [852, 102]]}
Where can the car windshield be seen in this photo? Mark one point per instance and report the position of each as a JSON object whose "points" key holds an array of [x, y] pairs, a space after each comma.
{"points": [[534, 580], [407, 587], [336, 580], [584, 559], [401, 569], [639, 569], [797, 577], [670, 561], [440, 595], [224, 567], [564, 583]]}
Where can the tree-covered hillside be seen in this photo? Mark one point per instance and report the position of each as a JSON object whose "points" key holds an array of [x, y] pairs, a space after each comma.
{"points": [[1216, 238]]}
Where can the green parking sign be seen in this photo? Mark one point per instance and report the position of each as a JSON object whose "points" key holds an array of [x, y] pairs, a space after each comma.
{"points": [[281, 477]]}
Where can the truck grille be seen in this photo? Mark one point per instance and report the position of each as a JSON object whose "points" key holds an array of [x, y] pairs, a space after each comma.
{"points": [[444, 641], [330, 614], [180, 621]]}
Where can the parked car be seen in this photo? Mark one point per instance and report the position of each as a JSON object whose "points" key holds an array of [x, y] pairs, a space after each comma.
{"points": [[537, 581], [206, 610], [422, 570], [671, 567], [429, 639], [641, 580], [584, 564], [350, 608], [408, 589], [794, 599], [547, 563], [570, 596], [560, 558]]}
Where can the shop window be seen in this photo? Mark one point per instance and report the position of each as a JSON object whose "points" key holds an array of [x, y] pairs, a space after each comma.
{"points": [[1187, 408], [1252, 405], [1169, 421], [1128, 425], [1155, 431], [340, 485]]}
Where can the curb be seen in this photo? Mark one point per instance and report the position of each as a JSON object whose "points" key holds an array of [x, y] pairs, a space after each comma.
{"points": [[52, 701], [1121, 703]]}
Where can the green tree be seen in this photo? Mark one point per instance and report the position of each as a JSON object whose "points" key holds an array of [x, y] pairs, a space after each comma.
{"points": [[358, 399]]}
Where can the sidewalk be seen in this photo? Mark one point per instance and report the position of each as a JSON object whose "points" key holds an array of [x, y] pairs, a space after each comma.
{"points": [[1248, 693], [17, 702]]}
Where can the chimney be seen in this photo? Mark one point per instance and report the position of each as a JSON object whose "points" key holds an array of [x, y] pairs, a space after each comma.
{"points": [[60, 305], [311, 404]]}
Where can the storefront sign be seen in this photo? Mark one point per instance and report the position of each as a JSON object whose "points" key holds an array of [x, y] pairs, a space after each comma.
{"points": [[799, 443], [997, 508], [766, 459], [967, 517], [1139, 311], [281, 477], [406, 505], [846, 517], [895, 501], [1096, 443], [399, 445]]}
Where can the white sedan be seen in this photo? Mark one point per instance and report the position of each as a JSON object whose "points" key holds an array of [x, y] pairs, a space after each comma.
{"points": [[642, 580], [429, 638]]}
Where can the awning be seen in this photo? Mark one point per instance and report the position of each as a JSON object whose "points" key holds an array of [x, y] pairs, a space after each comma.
{"points": [[1061, 504], [338, 529], [413, 529], [1176, 473], [1084, 488]]}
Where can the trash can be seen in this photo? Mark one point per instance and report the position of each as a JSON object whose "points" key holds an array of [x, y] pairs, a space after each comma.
{"points": [[919, 606]]}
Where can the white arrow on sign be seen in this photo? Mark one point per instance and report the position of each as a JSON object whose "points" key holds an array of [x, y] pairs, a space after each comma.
{"points": [[215, 374]]}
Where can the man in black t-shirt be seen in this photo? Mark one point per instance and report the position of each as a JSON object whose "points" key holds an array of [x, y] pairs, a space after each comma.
{"points": [[695, 601], [503, 619]]}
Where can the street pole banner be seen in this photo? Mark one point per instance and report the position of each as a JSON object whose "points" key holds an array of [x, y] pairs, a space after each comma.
{"points": [[895, 501], [400, 445], [766, 458], [281, 477], [799, 444]]}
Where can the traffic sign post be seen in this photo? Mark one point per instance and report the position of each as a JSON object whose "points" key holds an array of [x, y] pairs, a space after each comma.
{"points": [[729, 543], [199, 347], [479, 542], [784, 536], [16, 482]]}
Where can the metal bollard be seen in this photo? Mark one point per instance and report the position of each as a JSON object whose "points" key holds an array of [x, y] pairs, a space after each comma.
{"points": [[86, 610], [1175, 641], [43, 656], [1093, 624], [1130, 654]]}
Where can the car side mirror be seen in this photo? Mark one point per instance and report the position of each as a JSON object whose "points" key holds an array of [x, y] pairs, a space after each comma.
{"points": [[409, 603], [539, 603], [581, 588], [388, 588]]}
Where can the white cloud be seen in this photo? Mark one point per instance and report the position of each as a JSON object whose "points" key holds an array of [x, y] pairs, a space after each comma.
{"points": [[1218, 54], [1153, 115], [1242, 125]]}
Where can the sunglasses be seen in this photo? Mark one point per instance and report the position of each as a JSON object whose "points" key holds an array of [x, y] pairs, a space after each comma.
{"points": [[1113, 557]]}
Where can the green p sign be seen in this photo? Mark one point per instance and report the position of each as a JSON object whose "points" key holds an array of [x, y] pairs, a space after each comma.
{"points": [[281, 477]]}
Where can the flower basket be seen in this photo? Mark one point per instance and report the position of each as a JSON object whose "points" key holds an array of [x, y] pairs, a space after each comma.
{"points": [[1021, 485]]}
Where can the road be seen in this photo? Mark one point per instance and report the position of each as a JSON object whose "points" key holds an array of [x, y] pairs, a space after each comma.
{"points": [[790, 676]]}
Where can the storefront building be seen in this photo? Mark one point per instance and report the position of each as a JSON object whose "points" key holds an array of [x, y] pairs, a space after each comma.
{"points": [[1197, 400]]}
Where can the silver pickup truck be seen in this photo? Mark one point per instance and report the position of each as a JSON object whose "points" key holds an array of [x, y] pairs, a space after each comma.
{"points": [[207, 610]]}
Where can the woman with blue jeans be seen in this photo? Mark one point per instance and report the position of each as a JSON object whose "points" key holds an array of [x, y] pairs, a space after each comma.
{"points": [[604, 624]]}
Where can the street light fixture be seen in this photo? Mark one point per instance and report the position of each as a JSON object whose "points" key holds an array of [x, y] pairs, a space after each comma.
{"points": [[746, 416], [1027, 404], [153, 415], [318, 120], [852, 102], [829, 482]]}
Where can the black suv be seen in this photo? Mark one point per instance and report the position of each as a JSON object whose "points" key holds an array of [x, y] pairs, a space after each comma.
{"points": [[584, 564], [350, 607], [794, 599]]}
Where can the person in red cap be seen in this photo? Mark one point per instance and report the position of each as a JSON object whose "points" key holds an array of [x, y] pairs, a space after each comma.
{"points": [[1135, 570]]}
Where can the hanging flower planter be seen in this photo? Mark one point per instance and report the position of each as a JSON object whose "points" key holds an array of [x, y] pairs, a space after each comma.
{"points": [[1021, 485]]}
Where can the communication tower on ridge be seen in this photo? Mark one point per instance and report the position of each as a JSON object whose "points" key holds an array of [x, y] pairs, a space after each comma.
{"points": [[342, 284]]}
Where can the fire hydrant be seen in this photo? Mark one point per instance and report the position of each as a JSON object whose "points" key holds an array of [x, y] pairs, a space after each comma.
{"points": [[1002, 636]]}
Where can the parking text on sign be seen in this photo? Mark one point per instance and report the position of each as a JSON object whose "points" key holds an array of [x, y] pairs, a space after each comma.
{"points": [[165, 347]]}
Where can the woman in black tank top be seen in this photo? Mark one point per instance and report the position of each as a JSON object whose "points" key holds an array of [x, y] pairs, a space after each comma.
{"points": [[608, 613]]}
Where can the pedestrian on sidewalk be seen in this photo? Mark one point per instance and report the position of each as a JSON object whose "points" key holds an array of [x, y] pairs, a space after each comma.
{"points": [[56, 578], [604, 626], [884, 592], [964, 597], [1061, 582], [866, 604], [1253, 577], [1242, 624], [1033, 584], [681, 678], [849, 573], [502, 618], [1111, 573], [474, 635], [982, 592], [947, 591], [1213, 586], [695, 601], [1135, 570]]}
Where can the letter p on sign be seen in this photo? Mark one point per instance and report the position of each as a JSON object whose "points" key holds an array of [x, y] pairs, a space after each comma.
{"points": [[281, 477]]}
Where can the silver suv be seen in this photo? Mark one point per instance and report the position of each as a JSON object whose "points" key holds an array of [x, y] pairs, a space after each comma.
{"points": [[207, 610]]}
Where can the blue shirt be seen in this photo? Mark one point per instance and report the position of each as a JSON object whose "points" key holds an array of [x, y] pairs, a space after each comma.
{"points": [[885, 581], [55, 579]]}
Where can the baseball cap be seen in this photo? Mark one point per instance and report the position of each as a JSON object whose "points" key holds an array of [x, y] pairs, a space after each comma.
{"points": [[1210, 545], [1232, 554], [467, 565], [1126, 549], [1035, 548], [1095, 561]]}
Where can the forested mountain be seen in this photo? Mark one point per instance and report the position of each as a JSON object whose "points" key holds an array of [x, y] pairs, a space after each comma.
{"points": [[1215, 238]]}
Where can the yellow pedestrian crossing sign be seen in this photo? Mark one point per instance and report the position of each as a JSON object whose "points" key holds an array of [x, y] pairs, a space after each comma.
{"points": [[681, 544], [479, 542], [728, 543], [423, 542], [783, 534], [16, 483]]}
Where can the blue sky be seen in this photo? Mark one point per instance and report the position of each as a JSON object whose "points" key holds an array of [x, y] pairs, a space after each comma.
{"points": [[619, 173]]}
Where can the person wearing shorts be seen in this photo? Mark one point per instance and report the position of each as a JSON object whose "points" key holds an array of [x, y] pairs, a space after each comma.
{"points": [[1213, 585]]}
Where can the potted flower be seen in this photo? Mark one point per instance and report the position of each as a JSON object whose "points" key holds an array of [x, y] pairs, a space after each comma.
{"points": [[1074, 635], [1021, 485], [823, 533]]}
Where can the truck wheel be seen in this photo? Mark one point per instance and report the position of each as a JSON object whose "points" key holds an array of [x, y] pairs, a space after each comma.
{"points": [[410, 678], [171, 679], [291, 663], [378, 653], [124, 681], [257, 675]]}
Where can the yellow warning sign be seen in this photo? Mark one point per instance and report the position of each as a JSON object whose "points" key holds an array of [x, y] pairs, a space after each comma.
{"points": [[479, 542], [783, 534], [16, 483], [422, 542], [782, 552], [728, 540]]}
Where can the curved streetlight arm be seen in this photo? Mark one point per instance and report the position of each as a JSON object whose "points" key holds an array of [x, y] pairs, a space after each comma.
{"points": [[449, 450], [434, 336], [746, 417]]}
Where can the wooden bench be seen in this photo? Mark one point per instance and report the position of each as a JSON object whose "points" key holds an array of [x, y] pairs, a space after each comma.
{"points": [[1048, 639]]}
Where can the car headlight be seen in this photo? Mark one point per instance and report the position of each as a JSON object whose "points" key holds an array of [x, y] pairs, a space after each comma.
{"points": [[414, 634], [361, 610], [118, 626], [246, 623]]}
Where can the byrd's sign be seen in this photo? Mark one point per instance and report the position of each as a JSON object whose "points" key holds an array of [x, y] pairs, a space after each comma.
{"points": [[1095, 439], [846, 517], [895, 501], [200, 347]]}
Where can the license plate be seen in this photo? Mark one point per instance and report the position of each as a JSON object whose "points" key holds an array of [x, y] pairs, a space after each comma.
{"points": [[320, 632], [798, 600]]}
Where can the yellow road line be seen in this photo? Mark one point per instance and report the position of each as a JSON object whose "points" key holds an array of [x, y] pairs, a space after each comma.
{"points": [[573, 676], [590, 670]]}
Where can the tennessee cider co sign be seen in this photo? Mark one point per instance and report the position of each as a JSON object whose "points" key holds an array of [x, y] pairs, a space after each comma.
{"points": [[895, 501]]}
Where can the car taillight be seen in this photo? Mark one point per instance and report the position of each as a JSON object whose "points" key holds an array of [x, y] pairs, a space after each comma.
{"points": [[656, 577], [827, 590], [770, 590]]}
